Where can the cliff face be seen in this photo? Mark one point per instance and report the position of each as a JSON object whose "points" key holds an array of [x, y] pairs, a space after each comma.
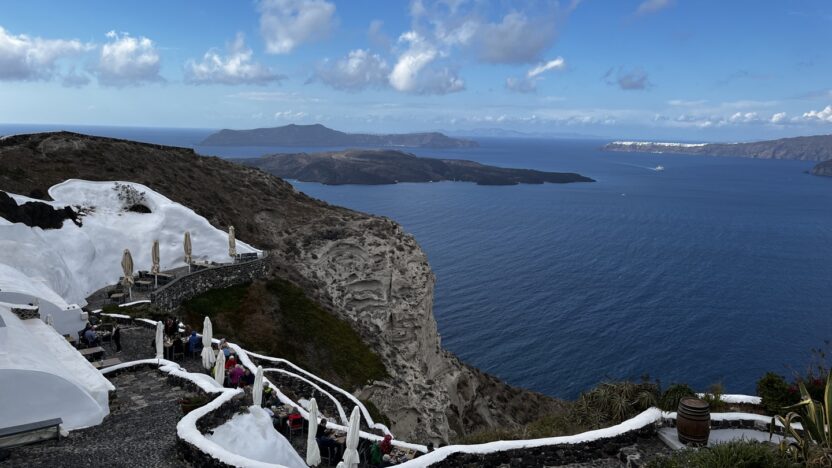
{"points": [[823, 169], [809, 148], [362, 268]]}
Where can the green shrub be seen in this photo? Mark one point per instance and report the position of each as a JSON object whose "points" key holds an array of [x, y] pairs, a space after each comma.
{"points": [[613, 402], [714, 398], [671, 397], [738, 454], [774, 390], [812, 445]]}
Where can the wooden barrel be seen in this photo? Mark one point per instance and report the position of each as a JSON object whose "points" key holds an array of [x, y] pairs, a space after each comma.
{"points": [[693, 421]]}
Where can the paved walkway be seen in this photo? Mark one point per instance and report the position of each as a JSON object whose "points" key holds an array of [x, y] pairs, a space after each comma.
{"points": [[139, 432]]}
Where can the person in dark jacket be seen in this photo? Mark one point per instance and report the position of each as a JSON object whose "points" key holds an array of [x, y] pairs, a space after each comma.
{"points": [[194, 343], [117, 337]]}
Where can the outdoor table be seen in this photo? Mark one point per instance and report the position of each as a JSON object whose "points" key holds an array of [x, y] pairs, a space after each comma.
{"points": [[117, 297], [144, 284]]}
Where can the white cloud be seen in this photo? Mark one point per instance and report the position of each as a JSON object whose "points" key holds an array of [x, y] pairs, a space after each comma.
{"points": [[232, 69], [556, 64], [779, 118], [416, 73], [33, 58], [528, 83], [652, 6], [286, 24], [747, 117], [685, 103], [128, 60], [290, 115], [518, 38], [358, 70], [824, 115], [628, 80]]}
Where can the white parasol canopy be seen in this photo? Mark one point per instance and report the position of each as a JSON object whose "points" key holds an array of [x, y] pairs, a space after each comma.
{"points": [[160, 344], [154, 258], [208, 357], [257, 391], [313, 452], [232, 242], [188, 249], [351, 458], [127, 271], [219, 368]]}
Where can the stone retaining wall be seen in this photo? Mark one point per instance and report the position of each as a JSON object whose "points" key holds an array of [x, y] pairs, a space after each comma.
{"points": [[556, 455], [171, 295]]}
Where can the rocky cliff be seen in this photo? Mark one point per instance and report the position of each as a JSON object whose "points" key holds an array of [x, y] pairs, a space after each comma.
{"points": [[364, 269], [823, 169], [808, 148]]}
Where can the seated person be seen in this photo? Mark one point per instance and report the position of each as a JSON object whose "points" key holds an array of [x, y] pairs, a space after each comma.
{"points": [[225, 349], [325, 440], [171, 328], [230, 363], [90, 336], [386, 461], [235, 374], [194, 343], [386, 445], [247, 379], [269, 396]]}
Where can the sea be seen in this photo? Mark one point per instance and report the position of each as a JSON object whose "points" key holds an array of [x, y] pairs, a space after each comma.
{"points": [[714, 270]]}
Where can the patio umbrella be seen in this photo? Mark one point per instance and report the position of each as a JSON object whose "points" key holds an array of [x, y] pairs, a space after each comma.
{"points": [[232, 243], [188, 258], [313, 453], [219, 368], [160, 345], [208, 357], [127, 271], [351, 458], [257, 391], [154, 258]]}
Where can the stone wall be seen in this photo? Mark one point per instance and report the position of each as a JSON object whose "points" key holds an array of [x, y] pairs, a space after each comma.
{"points": [[556, 455], [171, 295], [754, 424], [26, 313]]}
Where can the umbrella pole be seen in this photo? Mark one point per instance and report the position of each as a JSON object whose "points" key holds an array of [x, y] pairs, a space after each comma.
{"points": [[130, 292], [155, 281]]}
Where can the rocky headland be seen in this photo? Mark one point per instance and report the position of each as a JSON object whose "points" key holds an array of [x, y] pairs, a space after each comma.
{"points": [[807, 148], [823, 169], [319, 136], [374, 167], [363, 269]]}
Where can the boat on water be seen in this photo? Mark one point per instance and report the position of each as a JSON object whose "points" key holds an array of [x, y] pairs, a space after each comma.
{"points": [[658, 168]]}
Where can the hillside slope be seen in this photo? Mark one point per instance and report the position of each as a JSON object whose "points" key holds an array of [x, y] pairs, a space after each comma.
{"points": [[373, 167], [362, 268]]}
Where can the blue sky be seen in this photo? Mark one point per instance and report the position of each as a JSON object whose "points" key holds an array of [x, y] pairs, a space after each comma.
{"points": [[681, 69]]}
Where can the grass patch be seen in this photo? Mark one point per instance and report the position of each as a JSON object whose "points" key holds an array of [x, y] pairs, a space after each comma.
{"points": [[728, 455], [375, 413], [276, 318]]}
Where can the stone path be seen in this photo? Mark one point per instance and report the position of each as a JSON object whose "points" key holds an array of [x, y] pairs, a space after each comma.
{"points": [[140, 430]]}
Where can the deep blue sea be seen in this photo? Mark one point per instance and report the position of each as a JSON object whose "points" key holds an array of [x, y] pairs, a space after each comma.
{"points": [[713, 270]]}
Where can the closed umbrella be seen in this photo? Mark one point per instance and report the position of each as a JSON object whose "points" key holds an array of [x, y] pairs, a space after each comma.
{"points": [[160, 344], [232, 243], [257, 391], [188, 258], [219, 368], [351, 458], [208, 357], [313, 453], [127, 271], [154, 258]]}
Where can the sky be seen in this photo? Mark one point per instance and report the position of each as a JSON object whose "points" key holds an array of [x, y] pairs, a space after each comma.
{"points": [[690, 70]]}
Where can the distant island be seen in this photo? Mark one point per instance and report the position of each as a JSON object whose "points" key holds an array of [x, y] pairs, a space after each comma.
{"points": [[377, 167], [807, 148], [823, 169], [319, 135]]}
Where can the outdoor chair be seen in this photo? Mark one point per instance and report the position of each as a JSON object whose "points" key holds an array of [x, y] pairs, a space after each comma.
{"points": [[328, 455]]}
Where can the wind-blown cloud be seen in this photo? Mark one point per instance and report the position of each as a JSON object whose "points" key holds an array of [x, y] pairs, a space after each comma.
{"points": [[415, 70], [24, 58], [128, 61], [652, 6], [628, 80], [824, 115], [528, 83], [286, 24], [518, 38], [358, 70], [235, 68]]}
